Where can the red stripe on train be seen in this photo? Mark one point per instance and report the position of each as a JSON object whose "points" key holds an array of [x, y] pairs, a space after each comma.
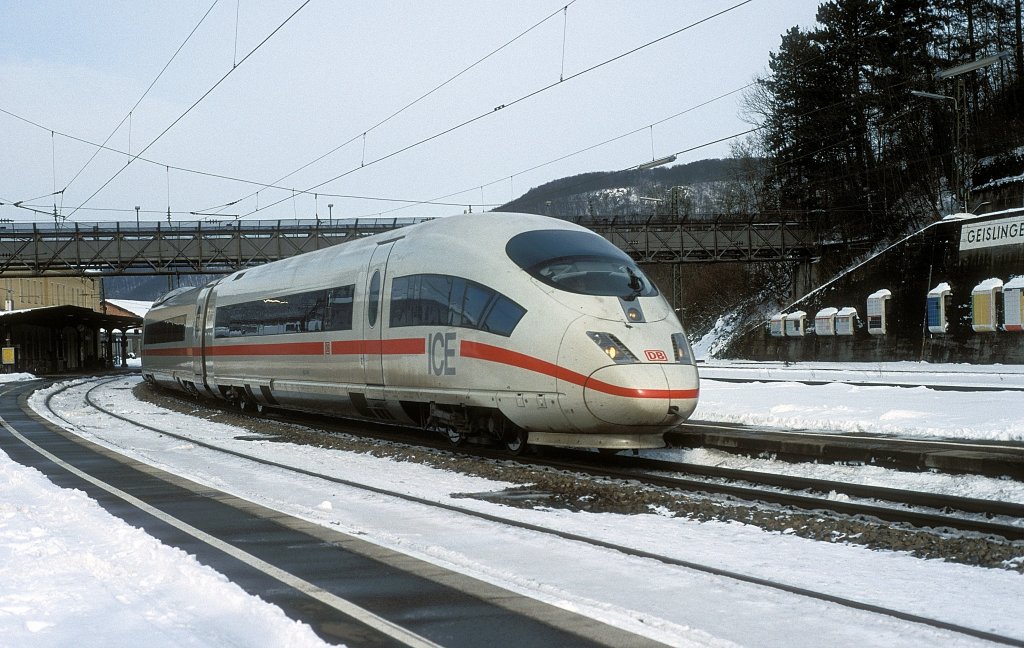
{"points": [[176, 351], [280, 348], [401, 346], [490, 353]]}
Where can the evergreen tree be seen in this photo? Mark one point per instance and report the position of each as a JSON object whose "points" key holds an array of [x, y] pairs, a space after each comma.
{"points": [[846, 141]]}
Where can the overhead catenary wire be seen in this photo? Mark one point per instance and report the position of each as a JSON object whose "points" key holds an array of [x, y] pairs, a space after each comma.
{"points": [[196, 103], [27, 204], [140, 158], [520, 99], [635, 131], [398, 112], [139, 100], [420, 201], [565, 31], [234, 57], [511, 178], [440, 200]]}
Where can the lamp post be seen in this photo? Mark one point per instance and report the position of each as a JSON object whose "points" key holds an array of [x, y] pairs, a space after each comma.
{"points": [[330, 211], [961, 171], [959, 167], [137, 217]]}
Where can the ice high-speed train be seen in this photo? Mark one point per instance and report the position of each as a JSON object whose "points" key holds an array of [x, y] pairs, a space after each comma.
{"points": [[517, 327]]}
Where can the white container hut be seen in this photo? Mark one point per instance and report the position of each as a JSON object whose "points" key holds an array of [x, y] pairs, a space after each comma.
{"points": [[796, 324], [878, 311], [825, 321], [846, 320], [1013, 305]]}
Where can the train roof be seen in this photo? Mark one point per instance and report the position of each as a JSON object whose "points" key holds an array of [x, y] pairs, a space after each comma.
{"points": [[175, 296], [485, 232]]}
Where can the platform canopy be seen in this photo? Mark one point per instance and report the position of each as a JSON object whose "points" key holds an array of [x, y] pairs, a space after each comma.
{"points": [[52, 316]]}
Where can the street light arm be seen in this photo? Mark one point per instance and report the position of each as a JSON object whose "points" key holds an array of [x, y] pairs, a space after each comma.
{"points": [[972, 65], [932, 95]]}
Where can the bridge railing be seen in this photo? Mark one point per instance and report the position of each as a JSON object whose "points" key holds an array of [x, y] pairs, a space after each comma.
{"points": [[203, 246]]}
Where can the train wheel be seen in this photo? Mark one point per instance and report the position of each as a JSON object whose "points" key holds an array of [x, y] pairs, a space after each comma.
{"points": [[454, 436], [515, 441]]}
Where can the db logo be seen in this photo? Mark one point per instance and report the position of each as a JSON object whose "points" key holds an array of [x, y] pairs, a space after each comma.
{"points": [[656, 355]]}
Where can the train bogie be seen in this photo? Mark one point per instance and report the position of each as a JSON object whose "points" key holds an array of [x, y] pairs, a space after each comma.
{"points": [[509, 326]]}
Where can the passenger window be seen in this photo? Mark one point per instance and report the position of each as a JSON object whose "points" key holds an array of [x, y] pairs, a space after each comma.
{"points": [[504, 317], [443, 300], [455, 294], [374, 298], [339, 309], [474, 303], [434, 291]]}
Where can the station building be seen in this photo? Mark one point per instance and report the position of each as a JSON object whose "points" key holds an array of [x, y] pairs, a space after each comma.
{"points": [[60, 324]]}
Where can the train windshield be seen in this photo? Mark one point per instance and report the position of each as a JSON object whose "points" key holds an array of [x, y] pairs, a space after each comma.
{"points": [[579, 262]]}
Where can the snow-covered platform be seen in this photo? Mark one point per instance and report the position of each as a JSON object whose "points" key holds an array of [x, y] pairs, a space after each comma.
{"points": [[958, 418]]}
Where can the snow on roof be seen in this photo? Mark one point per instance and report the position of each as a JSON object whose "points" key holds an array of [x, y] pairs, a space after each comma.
{"points": [[988, 285], [796, 315], [847, 311], [880, 294], [1012, 211], [942, 289], [1015, 283], [12, 312], [135, 307], [827, 312]]}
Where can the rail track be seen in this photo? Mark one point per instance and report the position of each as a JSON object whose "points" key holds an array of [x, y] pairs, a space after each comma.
{"points": [[655, 473], [912, 508]]}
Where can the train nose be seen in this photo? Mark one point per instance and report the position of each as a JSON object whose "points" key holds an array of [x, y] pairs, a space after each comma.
{"points": [[642, 394]]}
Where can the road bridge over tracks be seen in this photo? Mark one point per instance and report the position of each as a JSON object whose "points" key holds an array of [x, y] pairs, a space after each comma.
{"points": [[203, 247]]}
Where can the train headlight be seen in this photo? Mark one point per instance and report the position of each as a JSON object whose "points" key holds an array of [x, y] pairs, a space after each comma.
{"points": [[682, 349], [612, 347]]}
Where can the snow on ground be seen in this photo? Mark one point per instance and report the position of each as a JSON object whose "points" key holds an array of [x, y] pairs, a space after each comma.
{"points": [[71, 574], [857, 405], [100, 575]]}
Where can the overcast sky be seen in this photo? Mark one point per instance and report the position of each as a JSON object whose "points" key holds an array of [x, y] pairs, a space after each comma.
{"points": [[335, 71]]}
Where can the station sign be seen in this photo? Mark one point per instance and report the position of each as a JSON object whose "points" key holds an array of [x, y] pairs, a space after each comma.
{"points": [[1005, 231]]}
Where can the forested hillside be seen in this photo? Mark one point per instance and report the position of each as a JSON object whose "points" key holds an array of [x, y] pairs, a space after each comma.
{"points": [[706, 187], [846, 133]]}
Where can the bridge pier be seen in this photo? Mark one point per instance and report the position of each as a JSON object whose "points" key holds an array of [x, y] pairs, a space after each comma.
{"points": [[805, 278]]}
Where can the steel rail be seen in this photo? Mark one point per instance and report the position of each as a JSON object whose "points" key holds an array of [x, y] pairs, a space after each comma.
{"points": [[708, 569]]}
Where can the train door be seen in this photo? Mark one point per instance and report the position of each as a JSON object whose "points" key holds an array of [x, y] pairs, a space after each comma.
{"points": [[372, 357], [199, 336]]}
